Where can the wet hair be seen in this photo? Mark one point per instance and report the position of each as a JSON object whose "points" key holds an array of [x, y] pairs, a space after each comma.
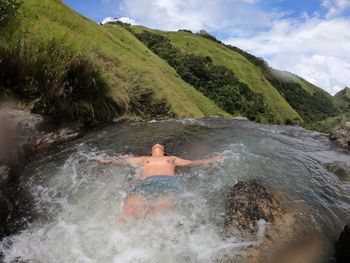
{"points": [[162, 146]]}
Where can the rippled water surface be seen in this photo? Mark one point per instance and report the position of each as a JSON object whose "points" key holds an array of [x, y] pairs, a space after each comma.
{"points": [[77, 201]]}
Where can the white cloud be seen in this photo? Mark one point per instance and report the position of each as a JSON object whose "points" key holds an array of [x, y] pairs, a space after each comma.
{"points": [[121, 19], [315, 49], [108, 19], [335, 7], [127, 20], [229, 16]]}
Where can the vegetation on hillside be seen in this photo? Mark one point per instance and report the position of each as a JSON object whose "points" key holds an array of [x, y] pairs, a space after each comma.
{"points": [[277, 108], [329, 123], [343, 99], [8, 11], [311, 106], [60, 63], [216, 82]]}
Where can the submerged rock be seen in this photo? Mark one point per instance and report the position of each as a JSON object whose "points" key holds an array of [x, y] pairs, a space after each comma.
{"points": [[284, 239], [247, 203], [342, 246], [57, 136], [340, 169]]}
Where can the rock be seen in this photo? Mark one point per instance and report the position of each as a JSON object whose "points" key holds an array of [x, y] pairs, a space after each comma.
{"points": [[240, 119], [341, 135], [340, 169], [17, 135], [346, 125], [58, 136], [332, 137], [287, 234], [4, 174], [246, 204], [342, 246]]}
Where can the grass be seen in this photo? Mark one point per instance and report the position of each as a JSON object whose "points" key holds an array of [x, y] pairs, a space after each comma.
{"points": [[244, 70], [129, 74], [328, 124]]}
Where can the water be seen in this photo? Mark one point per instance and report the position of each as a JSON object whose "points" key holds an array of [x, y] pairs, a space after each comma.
{"points": [[77, 201]]}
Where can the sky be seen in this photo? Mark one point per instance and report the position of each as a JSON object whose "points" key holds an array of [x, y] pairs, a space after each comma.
{"points": [[310, 38]]}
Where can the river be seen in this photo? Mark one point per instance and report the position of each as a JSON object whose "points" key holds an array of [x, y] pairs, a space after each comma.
{"points": [[77, 201]]}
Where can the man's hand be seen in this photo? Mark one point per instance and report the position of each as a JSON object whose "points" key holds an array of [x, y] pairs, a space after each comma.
{"points": [[218, 158]]}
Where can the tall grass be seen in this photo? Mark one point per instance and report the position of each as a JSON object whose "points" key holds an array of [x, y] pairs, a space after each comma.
{"points": [[62, 64], [55, 80]]}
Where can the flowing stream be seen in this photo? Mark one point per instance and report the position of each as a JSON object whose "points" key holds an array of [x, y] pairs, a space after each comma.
{"points": [[77, 201]]}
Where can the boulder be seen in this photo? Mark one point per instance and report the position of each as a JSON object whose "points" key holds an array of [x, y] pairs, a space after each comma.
{"points": [[17, 135], [246, 204], [287, 236], [57, 136], [342, 246], [340, 169]]}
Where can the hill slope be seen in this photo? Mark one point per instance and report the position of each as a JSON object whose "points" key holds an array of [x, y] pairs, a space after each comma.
{"points": [[343, 99], [289, 98], [50, 34], [244, 70]]}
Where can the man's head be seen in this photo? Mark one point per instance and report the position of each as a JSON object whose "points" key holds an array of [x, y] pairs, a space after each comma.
{"points": [[158, 150]]}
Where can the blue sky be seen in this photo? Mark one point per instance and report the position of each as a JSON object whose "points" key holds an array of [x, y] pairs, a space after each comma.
{"points": [[307, 37]]}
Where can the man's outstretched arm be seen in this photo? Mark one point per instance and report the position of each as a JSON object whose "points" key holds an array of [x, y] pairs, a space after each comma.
{"points": [[184, 162], [125, 159]]}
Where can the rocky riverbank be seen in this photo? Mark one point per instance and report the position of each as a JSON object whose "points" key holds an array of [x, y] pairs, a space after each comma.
{"points": [[21, 135], [341, 135]]}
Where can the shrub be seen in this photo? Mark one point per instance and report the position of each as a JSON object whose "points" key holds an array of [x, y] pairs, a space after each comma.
{"points": [[185, 30], [8, 10]]}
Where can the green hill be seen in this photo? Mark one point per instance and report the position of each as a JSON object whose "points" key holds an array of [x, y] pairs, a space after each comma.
{"points": [[57, 62], [289, 97], [243, 69], [343, 99], [61, 63]]}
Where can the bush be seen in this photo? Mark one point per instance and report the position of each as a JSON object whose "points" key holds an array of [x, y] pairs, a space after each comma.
{"points": [[8, 10], [185, 30]]}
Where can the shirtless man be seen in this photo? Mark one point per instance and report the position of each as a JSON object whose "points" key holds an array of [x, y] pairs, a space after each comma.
{"points": [[157, 181]]}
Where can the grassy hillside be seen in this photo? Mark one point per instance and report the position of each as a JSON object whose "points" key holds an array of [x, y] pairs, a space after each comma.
{"points": [[342, 98], [59, 62], [243, 69], [310, 102]]}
